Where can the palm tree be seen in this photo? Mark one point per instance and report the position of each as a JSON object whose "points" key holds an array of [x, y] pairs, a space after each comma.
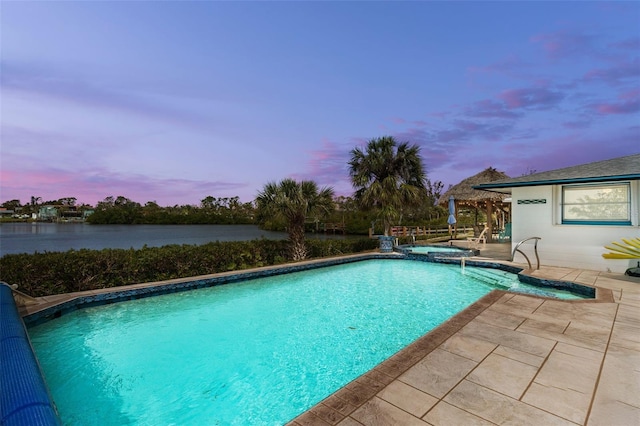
{"points": [[387, 176], [294, 201]]}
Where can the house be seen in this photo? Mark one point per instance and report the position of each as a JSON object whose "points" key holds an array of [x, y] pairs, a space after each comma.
{"points": [[48, 213], [5, 212], [576, 211]]}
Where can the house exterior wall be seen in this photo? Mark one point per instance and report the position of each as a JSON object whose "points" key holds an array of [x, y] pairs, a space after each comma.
{"points": [[579, 246]]}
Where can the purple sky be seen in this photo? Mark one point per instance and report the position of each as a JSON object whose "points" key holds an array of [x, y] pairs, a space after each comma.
{"points": [[174, 101]]}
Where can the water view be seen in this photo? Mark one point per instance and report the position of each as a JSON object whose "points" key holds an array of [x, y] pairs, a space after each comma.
{"points": [[41, 237]]}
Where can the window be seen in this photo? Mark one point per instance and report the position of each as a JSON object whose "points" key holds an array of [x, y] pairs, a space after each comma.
{"points": [[597, 204]]}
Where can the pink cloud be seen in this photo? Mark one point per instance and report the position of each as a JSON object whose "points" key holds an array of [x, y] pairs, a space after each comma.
{"points": [[328, 165], [92, 186], [628, 103]]}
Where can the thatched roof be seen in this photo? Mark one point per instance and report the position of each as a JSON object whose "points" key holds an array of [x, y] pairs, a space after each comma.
{"points": [[465, 194]]}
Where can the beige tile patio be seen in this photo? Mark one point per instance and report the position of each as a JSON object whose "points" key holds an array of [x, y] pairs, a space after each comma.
{"points": [[468, 347], [620, 378], [579, 352], [408, 398], [608, 412], [519, 304], [349, 422], [438, 372], [566, 403], [498, 408], [501, 319], [627, 336], [517, 355], [566, 382], [503, 375], [378, 412], [617, 400], [628, 315], [444, 414], [570, 369], [521, 341], [595, 340], [545, 323], [587, 277]]}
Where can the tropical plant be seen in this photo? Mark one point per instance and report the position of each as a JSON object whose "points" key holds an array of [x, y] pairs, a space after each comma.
{"points": [[293, 201], [387, 176], [629, 250]]}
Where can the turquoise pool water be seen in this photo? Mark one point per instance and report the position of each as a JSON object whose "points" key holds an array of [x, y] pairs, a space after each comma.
{"points": [[434, 249], [256, 352]]}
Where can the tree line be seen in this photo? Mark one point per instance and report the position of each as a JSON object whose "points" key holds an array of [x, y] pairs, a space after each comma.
{"points": [[390, 188]]}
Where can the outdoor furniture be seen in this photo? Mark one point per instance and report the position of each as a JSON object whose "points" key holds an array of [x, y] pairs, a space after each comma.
{"points": [[474, 241]]}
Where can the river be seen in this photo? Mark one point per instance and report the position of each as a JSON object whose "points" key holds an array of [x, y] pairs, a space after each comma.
{"points": [[41, 237]]}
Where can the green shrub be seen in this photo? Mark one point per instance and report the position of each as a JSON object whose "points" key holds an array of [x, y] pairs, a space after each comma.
{"points": [[43, 274]]}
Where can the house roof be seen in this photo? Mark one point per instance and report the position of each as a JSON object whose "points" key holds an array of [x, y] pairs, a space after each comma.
{"points": [[464, 191], [616, 169]]}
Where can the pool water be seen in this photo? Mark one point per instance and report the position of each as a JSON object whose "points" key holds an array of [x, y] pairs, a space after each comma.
{"points": [[507, 281], [435, 249], [256, 352]]}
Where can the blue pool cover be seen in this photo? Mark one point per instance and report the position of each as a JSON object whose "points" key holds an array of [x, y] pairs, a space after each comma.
{"points": [[24, 397]]}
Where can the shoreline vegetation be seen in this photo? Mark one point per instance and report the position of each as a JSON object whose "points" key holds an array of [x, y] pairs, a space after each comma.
{"points": [[49, 273]]}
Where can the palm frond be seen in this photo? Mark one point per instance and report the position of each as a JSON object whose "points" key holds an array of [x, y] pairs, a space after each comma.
{"points": [[629, 250]]}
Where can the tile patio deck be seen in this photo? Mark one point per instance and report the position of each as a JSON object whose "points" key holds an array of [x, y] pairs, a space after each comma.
{"points": [[509, 360]]}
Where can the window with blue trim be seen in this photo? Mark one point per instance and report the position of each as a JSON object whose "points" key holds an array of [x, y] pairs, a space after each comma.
{"points": [[602, 204]]}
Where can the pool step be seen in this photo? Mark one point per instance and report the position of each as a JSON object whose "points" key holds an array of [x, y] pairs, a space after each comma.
{"points": [[493, 277], [504, 280]]}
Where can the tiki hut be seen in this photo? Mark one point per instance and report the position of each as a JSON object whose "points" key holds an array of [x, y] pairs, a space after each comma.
{"points": [[465, 196]]}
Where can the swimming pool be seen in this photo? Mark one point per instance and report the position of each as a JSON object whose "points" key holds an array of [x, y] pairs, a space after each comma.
{"points": [[259, 352]]}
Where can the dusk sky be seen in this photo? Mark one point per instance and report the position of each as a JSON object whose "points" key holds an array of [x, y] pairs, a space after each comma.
{"points": [[175, 101]]}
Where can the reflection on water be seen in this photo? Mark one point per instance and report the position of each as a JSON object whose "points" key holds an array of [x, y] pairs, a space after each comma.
{"points": [[41, 237]]}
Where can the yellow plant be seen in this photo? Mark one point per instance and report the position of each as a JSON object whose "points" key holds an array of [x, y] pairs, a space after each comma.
{"points": [[629, 250]]}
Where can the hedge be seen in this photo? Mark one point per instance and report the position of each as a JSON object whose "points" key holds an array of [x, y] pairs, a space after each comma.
{"points": [[48, 273]]}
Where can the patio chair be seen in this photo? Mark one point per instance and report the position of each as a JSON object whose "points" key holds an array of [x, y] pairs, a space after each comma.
{"points": [[474, 241]]}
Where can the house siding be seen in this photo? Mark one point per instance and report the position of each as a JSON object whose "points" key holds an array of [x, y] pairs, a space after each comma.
{"points": [[578, 246]]}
